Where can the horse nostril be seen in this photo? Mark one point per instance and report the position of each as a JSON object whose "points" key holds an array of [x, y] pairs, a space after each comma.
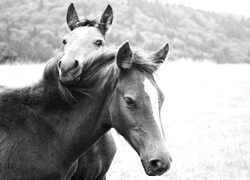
{"points": [[59, 64], [155, 164], [170, 158], [76, 63]]}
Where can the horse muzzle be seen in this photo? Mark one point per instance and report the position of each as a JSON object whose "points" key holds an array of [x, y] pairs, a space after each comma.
{"points": [[69, 74], [157, 164]]}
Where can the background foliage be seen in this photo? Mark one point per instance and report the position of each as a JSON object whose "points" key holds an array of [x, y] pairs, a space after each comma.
{"points": [[32, 30]]}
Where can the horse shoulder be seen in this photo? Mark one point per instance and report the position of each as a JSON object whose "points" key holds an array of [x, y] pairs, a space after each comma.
{"points": [[27, 139]]}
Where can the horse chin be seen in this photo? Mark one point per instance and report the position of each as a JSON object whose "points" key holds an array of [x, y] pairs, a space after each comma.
{"points": [[155, 172], [70, 80]]}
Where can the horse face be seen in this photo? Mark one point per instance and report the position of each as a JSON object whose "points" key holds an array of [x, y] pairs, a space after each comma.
{"points": [[136, 109], [79, 42]]}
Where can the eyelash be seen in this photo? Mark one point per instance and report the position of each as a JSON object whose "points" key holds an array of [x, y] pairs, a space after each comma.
{"points": [[99, 43], [129, 101]]}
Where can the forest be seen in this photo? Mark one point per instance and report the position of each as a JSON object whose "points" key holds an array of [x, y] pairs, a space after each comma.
{"points": [[32, 31]]}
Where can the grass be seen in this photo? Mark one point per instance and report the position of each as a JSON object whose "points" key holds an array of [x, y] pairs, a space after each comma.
{"points": [[206, 118], [20, 75]]}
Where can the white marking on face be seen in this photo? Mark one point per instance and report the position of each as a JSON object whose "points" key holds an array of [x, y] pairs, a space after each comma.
{"points": [[153, 96], [81, 32], [80, 58]]}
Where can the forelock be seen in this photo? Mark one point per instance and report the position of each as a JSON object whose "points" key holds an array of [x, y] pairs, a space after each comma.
{"points": [[144, 61], [91, 21]]}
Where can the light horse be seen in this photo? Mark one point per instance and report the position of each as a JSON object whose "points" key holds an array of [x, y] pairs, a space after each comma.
{"points": [[43, 134], [90, 36], [86, 36]]}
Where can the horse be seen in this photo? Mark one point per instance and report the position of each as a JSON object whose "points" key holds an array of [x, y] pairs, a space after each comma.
{"points": [[97, 160], [43, 128], [86, 36]]}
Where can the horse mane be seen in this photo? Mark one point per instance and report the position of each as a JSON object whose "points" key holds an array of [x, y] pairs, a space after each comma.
{"points": [[52, 82], [91, 21], [87, 22], [100, 67]]}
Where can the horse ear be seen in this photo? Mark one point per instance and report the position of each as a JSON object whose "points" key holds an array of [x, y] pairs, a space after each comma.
{"points": [[161, 54], [124, 56], [72, 17], [106, 20]]}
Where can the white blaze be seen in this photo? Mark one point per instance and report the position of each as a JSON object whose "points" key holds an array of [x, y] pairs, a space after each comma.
{"points": [[153, 96], [81, 32]]}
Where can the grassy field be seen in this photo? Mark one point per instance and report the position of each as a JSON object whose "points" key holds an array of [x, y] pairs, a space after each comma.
{"points": [[206, 118]]}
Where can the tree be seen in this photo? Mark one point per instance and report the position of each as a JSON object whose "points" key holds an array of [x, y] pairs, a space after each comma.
{"points": [[41, 5], [6, 54]]}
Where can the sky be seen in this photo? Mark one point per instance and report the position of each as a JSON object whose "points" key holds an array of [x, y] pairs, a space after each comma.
{"points": [[241, 7]]}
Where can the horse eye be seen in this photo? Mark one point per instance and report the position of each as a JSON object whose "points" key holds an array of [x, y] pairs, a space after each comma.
{"points": [[99, 43], [129, 101], [64, 41]]}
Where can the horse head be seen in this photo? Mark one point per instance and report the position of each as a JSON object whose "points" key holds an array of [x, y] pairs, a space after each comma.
{"points": [[84, 36], [135, 107]]}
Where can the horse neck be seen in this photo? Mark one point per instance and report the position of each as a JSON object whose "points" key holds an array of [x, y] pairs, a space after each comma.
{"points": [[73, 128], [88, 122], [51, 85], [92, 118], [78, 125]]}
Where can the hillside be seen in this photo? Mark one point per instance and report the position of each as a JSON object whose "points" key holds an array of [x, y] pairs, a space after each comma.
{"points": [[32, 30]]}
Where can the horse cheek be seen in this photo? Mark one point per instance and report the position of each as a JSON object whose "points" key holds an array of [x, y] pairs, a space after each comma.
{"points": [[116, 113]]}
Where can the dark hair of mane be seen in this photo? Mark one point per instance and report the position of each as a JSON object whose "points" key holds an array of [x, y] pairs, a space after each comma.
{"points": [[94, 22], [100, 66], [51, 79], [86, 22]]}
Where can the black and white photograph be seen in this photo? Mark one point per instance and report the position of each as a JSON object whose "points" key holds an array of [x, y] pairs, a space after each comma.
{"points": [[124, 90]]}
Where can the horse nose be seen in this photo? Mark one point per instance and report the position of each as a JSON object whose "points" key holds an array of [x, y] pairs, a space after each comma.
{"points": [[70, 65], [76, 64], [59, 64], [67, 67], [69, 71], [155, 164], [158, 165]]}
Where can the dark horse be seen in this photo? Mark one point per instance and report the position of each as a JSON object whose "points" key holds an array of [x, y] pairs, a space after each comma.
{"points": [[84, 37], [42, 133]]}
